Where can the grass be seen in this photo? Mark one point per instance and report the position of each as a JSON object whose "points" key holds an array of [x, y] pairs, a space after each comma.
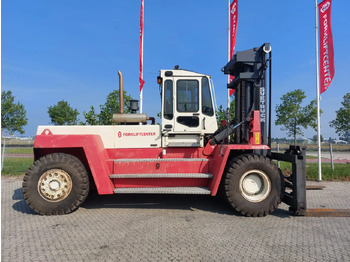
{"points": [[311, 157], [16, 165], [341, 171], [18, 150]]}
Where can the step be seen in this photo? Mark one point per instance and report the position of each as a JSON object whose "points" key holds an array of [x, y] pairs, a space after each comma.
{"points": [[160, 165], [183, 144], [164, 190], [163, 175], [131, 160]]}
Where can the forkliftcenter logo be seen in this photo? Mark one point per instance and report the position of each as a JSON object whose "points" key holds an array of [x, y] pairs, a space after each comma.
{"points": [[325, 7], [233, 9], [120, 134]]}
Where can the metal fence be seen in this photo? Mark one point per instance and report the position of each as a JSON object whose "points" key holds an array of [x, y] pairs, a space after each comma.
{"points": [[16, 156]]}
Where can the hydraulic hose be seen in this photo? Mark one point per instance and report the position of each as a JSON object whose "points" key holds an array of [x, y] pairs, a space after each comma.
{"points": [[224, 134]]}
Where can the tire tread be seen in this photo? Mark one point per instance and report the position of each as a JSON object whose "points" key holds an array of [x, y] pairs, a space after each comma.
{"points": [[34, 172], [234, 166]]}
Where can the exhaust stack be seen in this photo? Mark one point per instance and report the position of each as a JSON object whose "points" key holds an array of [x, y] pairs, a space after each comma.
{"points": [[133, 118], [121, 93]]}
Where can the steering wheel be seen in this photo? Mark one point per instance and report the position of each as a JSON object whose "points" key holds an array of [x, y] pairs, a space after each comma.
{"points": [[206, 109]]}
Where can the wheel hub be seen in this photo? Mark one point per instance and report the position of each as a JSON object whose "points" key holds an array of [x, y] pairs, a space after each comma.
{"points": [[255, 185], [55, 185], [252, 184]]}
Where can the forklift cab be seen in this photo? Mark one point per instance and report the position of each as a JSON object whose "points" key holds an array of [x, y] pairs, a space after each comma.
{"points": [[188, 113]]}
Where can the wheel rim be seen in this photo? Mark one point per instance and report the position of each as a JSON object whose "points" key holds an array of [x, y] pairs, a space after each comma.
{"points": [[55, 185], [255, 185]]}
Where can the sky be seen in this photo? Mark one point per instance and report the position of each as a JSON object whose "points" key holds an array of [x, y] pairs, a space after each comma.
{"points": [[72, 50]]}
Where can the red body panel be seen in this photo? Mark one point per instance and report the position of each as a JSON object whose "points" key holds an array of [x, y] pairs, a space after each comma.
{"points": [[161, 167], [220, 157], [255, 129], [101, 161], [173, 152], [94, 150]]}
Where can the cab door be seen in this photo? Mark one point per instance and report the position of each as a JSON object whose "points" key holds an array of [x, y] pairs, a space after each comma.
{"points": [[187, 115]]}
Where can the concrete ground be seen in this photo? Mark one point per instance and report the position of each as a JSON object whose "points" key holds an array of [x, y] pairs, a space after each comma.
{"points": [[172, 228], [327, 155]]}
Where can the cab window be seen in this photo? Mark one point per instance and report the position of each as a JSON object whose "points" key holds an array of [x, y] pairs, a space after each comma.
{"points": [[168, 100], [207, 105], [187, 96]]}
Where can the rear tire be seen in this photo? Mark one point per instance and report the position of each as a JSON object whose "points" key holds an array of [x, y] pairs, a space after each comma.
{"points": [[56, 184], [253, 185]]}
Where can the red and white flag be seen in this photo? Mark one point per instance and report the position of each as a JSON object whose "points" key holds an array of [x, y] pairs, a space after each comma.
{"points": [[233, 32], [326, 45], [142, 82]]}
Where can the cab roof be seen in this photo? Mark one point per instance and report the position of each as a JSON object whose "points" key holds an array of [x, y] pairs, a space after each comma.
{"points": [[181, 72]]}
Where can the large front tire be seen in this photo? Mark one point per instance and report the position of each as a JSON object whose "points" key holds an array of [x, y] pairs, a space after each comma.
{"points": [[56, 184], [253, 185]]}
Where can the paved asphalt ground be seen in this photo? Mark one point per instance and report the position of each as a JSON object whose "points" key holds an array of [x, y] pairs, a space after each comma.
{"points": [[172, 228]]}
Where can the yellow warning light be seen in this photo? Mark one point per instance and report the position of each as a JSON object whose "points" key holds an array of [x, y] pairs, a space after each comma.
{"points": [[159, 80]]}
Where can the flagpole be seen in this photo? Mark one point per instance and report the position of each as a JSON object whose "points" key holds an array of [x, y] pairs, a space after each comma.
{"points": [[141, 50], [318, 98], [228, 54]]}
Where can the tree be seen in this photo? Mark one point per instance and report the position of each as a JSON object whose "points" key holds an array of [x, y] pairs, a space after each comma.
{"points": [[292, 116], [107, 109], [91, 118], [315, 138], [13, 115], [221, 113], [342, 121], [63, 114]]}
